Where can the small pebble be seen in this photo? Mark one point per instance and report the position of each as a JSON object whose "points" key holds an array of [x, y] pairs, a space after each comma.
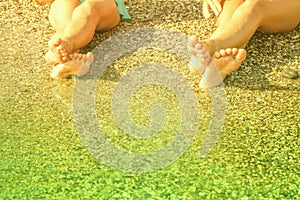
{"points": [[289, 73]]}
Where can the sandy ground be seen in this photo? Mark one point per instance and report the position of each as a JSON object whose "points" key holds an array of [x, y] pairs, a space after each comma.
{"points": [[262, 119]]}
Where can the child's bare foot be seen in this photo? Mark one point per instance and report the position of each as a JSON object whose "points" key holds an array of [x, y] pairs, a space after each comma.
{"points": [[78, 64], [51, 58], [228, 60], [59, 49], [199, 56], [223, 63], [43, 2], [215, 68]]}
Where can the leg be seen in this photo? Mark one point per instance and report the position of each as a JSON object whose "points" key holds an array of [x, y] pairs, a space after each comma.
{"points": [[237, 24], [236, 28], [241, 18], [245, 18], [238, 14], [86, 19], [279, 15], [60, 15]]}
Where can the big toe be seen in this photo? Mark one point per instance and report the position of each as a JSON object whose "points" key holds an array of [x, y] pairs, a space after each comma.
{"points": [[85, 66], [241, 55]]}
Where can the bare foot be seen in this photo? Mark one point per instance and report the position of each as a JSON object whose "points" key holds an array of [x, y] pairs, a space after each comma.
{"points": [[199, 56], [229, 60], [51, 58], [215, 68], [78, 64], [59, 49], [223, 63], [43, 2]]}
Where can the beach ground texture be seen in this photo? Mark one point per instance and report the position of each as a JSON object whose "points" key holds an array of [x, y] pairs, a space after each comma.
{"points": [[42, 156]]}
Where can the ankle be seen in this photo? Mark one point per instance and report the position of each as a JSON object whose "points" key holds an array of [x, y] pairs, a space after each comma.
{"points": [[209, 45]]}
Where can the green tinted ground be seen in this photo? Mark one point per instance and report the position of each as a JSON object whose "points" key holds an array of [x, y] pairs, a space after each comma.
{"points": [[42, 156]]}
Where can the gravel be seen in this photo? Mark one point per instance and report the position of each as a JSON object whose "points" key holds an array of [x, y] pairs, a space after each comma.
{"points": [[257, 156]]}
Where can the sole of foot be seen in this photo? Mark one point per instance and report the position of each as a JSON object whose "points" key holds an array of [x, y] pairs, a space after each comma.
{"points": [[199, 56], [79, 64], [224, 62]]}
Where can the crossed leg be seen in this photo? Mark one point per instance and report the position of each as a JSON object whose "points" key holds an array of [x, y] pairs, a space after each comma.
{"points": [[60, 15], [75, 24], [215, 67], [237, 23], [217, 56]]}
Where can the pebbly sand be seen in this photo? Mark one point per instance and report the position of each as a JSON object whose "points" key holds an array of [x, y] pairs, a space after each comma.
{"points": [[42, 156]]}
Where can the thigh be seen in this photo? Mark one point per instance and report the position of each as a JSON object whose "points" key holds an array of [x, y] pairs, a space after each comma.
{"points": [[61, 13], [279, 15]]}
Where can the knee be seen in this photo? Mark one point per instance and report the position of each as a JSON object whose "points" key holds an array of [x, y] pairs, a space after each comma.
{"points": [[103, 13], [87, 10], [255, 6]]}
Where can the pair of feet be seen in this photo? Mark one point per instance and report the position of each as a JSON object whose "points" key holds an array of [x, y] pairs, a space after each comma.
{"points": [[65, 64], [213, 68]]}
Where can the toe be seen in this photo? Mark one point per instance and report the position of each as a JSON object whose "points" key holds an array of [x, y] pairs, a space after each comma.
{"points": [[235, 51], [80, 56], [84, 57], [192, 40], [200, 50], [191, 50], [241, 55], [75, 56], [198, 46], [222, 52], [64, 59], [84, 68], [217, 55], [61, 48], [228, 51], [90, 57]]}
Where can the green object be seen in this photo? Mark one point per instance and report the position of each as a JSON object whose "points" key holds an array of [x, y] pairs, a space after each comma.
{"points": [[121, 8]]}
